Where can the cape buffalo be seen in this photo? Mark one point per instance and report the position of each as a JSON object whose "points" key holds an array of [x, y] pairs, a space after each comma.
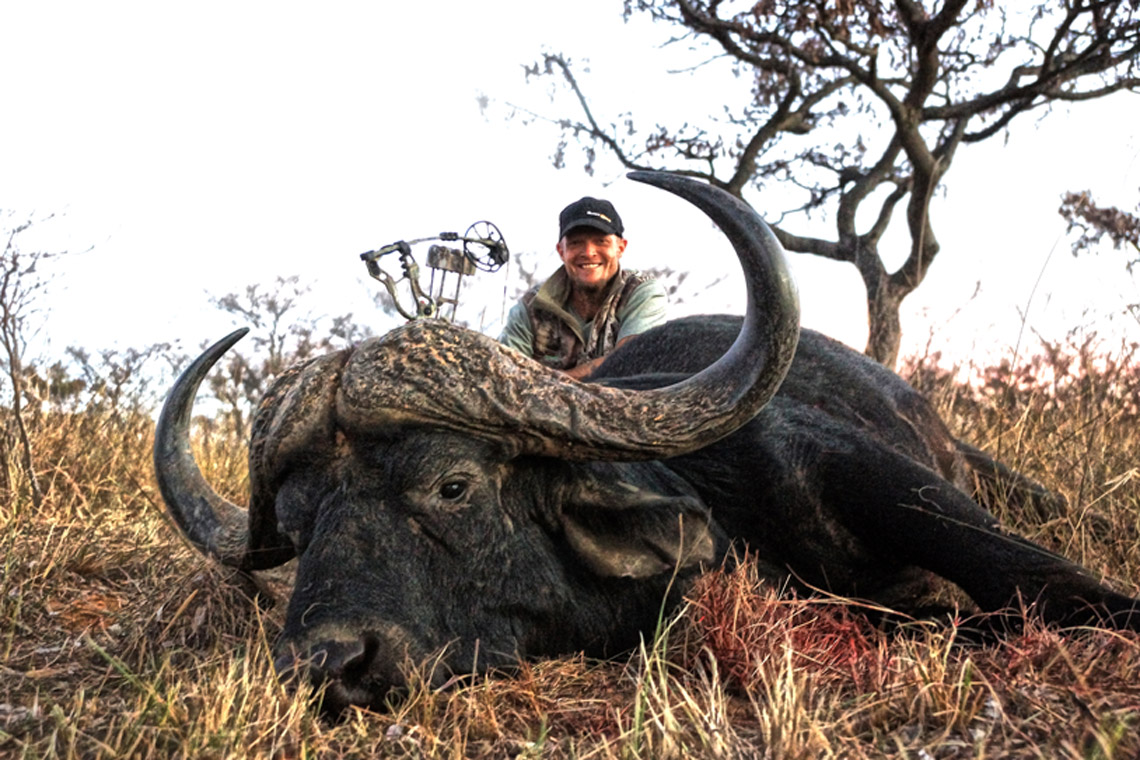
{"points": [[447, 497]]}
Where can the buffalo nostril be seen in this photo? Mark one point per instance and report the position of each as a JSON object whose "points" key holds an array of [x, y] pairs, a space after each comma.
{"points": [[339, 659], [287, 667], [327, 660], [345, 672]]}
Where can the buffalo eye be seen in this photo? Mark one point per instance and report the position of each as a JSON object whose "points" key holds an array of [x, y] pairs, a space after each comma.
{"points": [[453, 489]]}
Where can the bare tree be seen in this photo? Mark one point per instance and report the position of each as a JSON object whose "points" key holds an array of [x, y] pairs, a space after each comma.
{"points": [[860, 105], [282, 334], [20, 285], [1097, 222]]}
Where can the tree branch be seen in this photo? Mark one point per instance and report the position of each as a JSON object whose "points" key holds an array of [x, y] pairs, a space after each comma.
{"points": [[815, 246]]}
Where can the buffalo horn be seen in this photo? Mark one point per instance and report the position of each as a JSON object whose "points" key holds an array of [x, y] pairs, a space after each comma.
{"points": [[213, 524]]}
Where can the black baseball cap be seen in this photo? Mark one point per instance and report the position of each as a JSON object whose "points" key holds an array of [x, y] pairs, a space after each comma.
{"points": [[590, 212]]}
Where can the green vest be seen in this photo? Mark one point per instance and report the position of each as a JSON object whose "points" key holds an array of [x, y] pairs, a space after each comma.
{"points": [[558, 338]]}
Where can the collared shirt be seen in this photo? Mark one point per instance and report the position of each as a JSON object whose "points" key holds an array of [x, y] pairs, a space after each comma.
{"points": [[544, 326]]}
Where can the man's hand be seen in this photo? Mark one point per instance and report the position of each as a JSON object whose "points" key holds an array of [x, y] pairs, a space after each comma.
{"points": [[585, 369]]}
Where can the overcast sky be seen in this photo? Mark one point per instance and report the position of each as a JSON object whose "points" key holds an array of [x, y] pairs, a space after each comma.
{"points": [[198, 148]]}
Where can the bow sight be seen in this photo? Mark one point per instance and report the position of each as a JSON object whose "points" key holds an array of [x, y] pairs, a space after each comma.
{"points": [[483, 249]]}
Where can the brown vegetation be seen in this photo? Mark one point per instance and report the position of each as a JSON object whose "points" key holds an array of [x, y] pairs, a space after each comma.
{"points": [[119, 640]]}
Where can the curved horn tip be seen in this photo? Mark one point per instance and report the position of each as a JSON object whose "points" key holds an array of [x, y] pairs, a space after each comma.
{"points": [[213, 353], [706, 196], [655, 178], [233, 337], [671, 181]]}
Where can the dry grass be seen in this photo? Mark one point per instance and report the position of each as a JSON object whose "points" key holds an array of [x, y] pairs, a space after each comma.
{"points": [[120, 641]]}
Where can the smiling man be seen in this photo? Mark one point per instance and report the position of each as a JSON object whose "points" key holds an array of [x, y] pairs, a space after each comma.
{"points": [[590, 305]]}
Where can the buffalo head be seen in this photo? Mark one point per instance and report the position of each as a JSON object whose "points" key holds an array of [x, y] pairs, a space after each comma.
{"points": [[449, 498]]}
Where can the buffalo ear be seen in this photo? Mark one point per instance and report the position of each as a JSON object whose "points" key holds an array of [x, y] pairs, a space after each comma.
{"points": [[633, 527]]}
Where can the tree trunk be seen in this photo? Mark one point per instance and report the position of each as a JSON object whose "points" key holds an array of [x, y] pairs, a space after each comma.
{"points": [[884, 297], [884, 330]]}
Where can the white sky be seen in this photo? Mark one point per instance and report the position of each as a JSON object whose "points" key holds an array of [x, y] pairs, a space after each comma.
{"points": [[198, 148]]}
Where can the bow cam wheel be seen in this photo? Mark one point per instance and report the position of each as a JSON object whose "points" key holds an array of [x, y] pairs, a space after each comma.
{"points": [[484, 246]]}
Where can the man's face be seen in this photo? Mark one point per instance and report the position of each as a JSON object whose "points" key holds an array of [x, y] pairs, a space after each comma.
{"points": [[591, 257]]}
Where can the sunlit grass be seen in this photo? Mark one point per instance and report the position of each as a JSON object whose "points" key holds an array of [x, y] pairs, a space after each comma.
{"points": [[118, 640]]}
